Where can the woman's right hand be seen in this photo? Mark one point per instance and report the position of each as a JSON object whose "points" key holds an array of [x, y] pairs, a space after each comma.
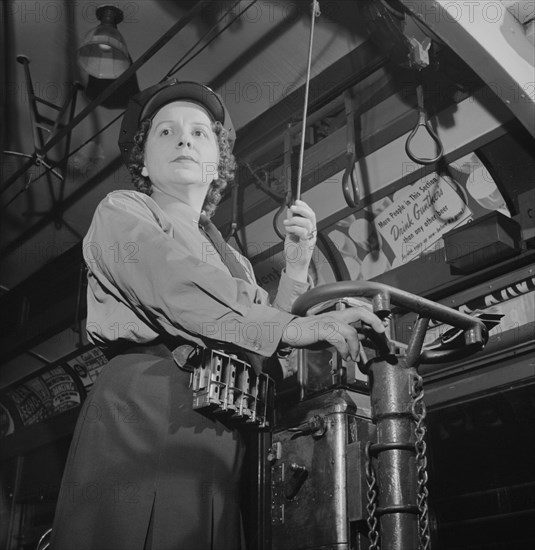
{"points": [[333, 327]]}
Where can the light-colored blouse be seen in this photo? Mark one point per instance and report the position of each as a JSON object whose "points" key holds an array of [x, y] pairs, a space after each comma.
{"points": [[150, 275]]}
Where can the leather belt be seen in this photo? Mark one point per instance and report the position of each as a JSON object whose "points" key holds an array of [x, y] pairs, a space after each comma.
{"points": [[185, 355], [157, 348]]}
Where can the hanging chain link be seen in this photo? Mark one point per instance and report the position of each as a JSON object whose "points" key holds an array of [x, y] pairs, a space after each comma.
{"points": [[371, 507], [419, 413]]}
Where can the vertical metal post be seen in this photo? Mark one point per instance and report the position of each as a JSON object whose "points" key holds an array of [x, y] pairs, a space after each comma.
{"points": [[14, 512], [394, 452]]}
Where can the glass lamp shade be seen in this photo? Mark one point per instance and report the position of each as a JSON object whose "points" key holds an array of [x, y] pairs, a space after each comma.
{"points": [[103, 53]]}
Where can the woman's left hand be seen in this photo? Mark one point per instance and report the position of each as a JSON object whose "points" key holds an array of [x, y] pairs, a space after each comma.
{"points": [[300, 241]]}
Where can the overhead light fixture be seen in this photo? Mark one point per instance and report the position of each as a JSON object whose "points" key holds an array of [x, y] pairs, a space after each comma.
{"points": [[103, 53]]}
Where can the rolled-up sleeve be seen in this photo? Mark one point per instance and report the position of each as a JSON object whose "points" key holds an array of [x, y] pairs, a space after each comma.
{"points": [[171, 289]]}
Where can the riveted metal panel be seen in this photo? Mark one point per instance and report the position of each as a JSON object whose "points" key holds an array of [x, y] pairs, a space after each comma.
{"points": [[315, 492]]}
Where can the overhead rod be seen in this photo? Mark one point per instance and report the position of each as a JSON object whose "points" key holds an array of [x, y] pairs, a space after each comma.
{"points": [[179, 25]]}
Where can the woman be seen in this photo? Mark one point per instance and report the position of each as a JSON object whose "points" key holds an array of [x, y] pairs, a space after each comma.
{"points": [[145, 470]]}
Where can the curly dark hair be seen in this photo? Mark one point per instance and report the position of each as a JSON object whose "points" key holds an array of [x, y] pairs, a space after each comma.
{"points": [[226, 167]]}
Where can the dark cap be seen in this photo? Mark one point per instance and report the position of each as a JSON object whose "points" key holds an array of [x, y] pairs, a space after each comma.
{"points": [[149, 101]]}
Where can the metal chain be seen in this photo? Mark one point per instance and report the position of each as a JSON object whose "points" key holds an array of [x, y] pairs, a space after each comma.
{"points": [[419, 413], [371, 507]]}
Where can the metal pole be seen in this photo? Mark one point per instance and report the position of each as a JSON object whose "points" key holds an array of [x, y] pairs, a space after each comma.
{"points": [[395, 462]]}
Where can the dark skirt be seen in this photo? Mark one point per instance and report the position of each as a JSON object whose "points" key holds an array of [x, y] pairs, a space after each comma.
{"points": [[146, 471]]}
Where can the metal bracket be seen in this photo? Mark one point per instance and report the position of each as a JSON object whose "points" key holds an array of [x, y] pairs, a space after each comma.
{"points": [[40, 126]]}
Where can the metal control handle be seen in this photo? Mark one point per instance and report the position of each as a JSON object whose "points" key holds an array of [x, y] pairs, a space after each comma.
{"points": [[383, 296]]}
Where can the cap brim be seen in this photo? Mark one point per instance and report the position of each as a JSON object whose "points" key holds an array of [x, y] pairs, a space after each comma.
{"points": [[186, 91]]}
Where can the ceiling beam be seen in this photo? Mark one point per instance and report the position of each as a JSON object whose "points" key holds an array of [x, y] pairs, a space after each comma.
{"points": [[492, 42], [270, 126]]}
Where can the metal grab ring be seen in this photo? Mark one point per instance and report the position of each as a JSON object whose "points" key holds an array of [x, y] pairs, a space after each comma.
{"points": [[44, 541], [352, 196], [276, 218], [278, 214], [423, 121]]}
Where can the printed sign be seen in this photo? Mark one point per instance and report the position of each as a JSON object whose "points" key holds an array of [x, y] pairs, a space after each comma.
{"points": [[88, 365], [419, 215], [400, 227], [44, 396]]}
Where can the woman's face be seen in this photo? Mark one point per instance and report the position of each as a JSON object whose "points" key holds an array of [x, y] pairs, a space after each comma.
{"points": [[181, 148]]}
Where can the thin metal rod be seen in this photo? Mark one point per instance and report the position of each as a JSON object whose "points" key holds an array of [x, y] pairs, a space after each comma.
{"points": [[315, 13], [179, 25]]}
